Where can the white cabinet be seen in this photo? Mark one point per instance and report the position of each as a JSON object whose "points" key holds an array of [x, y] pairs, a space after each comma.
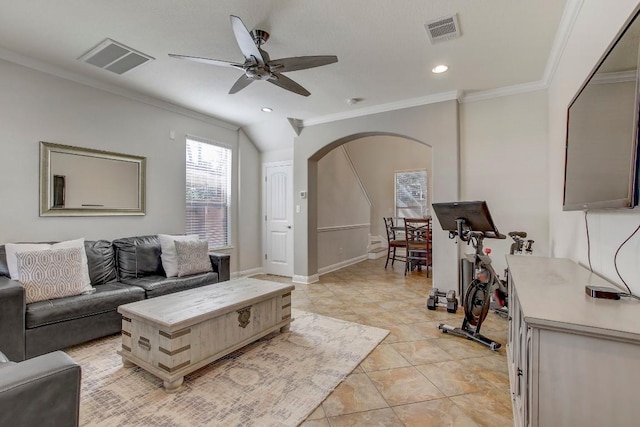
{"points": [[573, 360]]}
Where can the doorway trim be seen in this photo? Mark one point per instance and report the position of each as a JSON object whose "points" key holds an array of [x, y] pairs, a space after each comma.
{"points": [[265, 229]]}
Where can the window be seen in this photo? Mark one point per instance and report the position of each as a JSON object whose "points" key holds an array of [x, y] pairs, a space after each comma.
{"points": [[208, 191], [411, 194]]}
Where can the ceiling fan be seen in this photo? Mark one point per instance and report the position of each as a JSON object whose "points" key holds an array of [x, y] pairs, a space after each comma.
{"points": [[258, 65]]}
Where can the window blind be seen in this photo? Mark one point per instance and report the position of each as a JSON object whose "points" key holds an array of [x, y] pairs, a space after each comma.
{"points": [[411, 194], [208, 191]]}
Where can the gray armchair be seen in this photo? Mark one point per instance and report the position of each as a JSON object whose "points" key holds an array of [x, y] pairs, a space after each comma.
{"points": [[43, 391]]}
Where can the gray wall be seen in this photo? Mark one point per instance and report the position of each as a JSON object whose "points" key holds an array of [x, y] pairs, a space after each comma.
{"points": [[343, 213], [249, 240], [435, 125], [39, 107], [377, 159], [595, 27], [504, 160]]}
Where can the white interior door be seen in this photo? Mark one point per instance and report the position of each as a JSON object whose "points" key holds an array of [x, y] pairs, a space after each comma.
{"points": [[278, 212]]}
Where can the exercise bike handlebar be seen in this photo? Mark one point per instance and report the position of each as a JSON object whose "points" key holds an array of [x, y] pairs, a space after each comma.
{"points": [[465, 233]]}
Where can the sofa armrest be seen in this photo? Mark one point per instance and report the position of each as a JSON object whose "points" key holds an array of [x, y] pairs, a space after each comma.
{"points": [[43, 391], [12, 319], [220, 264]]}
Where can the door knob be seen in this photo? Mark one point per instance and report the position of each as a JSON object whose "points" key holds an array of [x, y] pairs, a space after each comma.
{"points": [[289, 227]]}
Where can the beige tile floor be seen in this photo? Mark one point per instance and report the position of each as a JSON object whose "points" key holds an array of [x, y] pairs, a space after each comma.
{"points": [[417, 376]]}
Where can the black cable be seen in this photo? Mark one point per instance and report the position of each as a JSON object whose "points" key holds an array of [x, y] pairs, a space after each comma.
{"points": [[586, 224], [615, 259], [630, 296]]}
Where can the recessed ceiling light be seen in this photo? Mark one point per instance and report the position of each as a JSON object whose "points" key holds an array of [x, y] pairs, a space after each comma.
{"points": [[439, 69], [267, 109]]}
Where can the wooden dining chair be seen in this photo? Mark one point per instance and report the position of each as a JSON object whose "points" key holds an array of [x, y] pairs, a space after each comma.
{"points": [[418, 235], [393, 243]]}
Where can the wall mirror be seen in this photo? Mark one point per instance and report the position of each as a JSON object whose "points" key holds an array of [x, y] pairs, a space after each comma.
{"points": [[78, 181]]}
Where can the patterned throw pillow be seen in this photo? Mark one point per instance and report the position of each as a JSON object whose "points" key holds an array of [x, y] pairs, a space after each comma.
{"points": [[169, 256], [50, 274], [13, 248], [193, 257]]}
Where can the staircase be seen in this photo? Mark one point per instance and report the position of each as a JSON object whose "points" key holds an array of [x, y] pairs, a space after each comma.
{"points": [[377, 247]]}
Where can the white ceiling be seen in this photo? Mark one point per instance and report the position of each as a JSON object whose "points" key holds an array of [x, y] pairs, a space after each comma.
{"points": [[384, 54]]}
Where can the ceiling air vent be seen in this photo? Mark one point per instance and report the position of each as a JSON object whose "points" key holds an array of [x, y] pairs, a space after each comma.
{"points": [[115, 57], [442, 29]]}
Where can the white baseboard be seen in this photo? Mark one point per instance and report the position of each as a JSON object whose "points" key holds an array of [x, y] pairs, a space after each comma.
{"points": [[305, 279], [377, 254], [246, 273], [342, 264]]}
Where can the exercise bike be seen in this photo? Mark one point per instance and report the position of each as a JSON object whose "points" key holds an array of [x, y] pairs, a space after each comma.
{"points": [[471, 223], [500, 303]]}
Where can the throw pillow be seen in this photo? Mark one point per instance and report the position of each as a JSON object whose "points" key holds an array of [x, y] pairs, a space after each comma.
{"points": [[50, 273], [169, 257], [193, 257], [12, 249]]}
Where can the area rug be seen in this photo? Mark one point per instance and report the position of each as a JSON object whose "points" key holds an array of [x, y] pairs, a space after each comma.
{"points": [[277, 381]]}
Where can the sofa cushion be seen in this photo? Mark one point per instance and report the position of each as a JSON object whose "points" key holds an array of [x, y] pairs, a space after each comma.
{"points": [[138, 257], [7, 364], [160, 285], [107, 297], [193, 257], [101, 259], [51, 273]]}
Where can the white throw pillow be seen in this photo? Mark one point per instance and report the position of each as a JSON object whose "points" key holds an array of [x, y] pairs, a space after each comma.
{"points": [[169, 256], [12, 249], [193, 257], [50, 273]]}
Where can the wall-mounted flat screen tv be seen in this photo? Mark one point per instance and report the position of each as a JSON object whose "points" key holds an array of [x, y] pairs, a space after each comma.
{"points": [[601, 158]]}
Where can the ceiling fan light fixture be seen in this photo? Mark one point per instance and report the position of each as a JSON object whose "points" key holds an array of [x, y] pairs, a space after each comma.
{"points": [[266, 109], [438, 69], [258, 65]]}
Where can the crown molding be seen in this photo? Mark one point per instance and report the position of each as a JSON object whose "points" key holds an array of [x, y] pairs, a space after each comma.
{"points": [[565, 27], [43, 67], [504, 91], [568, 20], [382, 108]]}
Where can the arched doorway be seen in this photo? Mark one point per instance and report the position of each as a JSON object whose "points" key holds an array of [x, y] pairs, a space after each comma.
{"points": [[357, 188], [436, 125]]}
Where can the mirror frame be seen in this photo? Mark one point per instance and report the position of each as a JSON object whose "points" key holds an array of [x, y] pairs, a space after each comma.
{"points": [[46, 181]]}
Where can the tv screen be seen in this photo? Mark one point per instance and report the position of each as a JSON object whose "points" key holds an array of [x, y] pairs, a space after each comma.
{"points": [[601, 159]]}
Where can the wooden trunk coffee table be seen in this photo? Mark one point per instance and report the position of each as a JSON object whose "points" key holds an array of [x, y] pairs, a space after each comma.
{"points": [[173, 335]]}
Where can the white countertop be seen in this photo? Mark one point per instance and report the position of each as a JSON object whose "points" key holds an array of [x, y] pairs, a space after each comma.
{"points": [[551, 292]]}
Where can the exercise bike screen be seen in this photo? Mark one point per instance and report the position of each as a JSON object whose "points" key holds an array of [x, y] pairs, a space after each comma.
{"points": [[476, 214]]}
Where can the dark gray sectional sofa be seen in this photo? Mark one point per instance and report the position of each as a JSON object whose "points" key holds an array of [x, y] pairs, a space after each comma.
{"points": [[122, 271]]}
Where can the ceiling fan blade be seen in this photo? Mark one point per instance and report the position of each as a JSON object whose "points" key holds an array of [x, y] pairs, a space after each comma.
{"points": [[288, 84], [301, 62], [208, 61], [240, 84], [245, 41]]}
